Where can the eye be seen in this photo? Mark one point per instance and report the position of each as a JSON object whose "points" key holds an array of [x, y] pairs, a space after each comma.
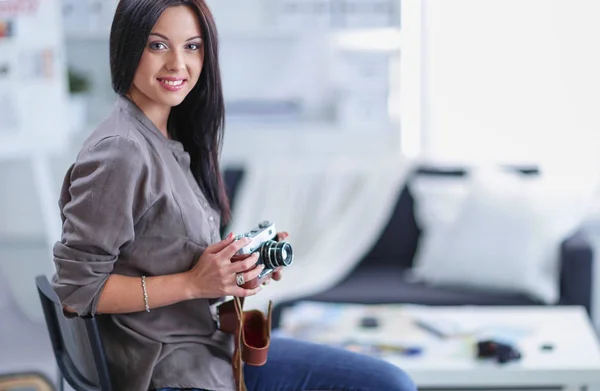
{"points": [[194, 46], [157, 46]]}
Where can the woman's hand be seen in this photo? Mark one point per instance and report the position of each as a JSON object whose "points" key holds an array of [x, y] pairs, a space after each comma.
{"points": [[214, 275]]}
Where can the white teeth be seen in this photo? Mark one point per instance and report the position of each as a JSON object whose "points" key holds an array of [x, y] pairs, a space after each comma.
{"points": [[172, 83]]}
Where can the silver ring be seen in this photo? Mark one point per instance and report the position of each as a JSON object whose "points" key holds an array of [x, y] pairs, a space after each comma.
{"points": [[239, 279]]}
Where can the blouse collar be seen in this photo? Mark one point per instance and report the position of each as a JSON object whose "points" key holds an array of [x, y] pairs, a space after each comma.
{"points": [[129, 106]]}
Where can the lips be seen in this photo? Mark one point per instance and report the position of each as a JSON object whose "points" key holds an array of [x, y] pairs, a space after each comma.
{"points": [[172, 83]]}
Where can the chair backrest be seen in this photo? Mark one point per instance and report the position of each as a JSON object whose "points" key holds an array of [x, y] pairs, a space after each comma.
{"points": [[76, 343]]}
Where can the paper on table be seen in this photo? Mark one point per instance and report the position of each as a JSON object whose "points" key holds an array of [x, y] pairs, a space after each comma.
{"points": [[467, 324], [333, 322]]}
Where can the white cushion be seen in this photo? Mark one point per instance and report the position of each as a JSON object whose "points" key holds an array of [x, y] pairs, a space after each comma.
{"points": [[504, 234], [438, 199]]}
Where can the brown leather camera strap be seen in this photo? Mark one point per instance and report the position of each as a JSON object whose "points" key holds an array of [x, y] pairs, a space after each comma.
{"points": [[237, 362]]}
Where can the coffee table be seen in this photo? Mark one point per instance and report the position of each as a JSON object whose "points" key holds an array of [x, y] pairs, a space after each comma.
{"points": [[559, 347]]}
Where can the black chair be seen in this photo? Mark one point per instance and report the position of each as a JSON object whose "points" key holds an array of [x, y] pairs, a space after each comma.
{"points": [[76, 343]]}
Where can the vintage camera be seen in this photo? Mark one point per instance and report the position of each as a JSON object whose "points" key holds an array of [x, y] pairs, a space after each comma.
{"points": [[271, 253]]}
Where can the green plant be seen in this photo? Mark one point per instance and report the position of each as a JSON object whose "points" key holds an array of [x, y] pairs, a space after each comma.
{"points": [[78, 82]]}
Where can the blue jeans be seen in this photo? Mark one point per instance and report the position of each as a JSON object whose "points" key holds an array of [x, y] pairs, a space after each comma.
{"points": [[295, 365]]}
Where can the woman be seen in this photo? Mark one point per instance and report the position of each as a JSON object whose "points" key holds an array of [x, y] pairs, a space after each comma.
{"points": [[142, 207]]}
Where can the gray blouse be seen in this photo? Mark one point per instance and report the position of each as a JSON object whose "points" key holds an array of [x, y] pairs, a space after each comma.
{"points": [[131, 206]]}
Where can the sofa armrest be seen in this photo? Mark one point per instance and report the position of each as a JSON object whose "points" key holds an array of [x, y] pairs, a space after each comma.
{"points": [[576, 271]]}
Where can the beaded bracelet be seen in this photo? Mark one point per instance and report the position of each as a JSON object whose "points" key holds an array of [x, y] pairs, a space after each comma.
{"points": [[145, 293]]}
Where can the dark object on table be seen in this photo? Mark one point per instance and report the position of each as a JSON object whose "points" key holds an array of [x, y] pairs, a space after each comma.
{"points": [[502, 352], [547, 347], [369, 322]]}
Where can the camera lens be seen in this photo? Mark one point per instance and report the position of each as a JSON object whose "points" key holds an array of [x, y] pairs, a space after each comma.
{"points": [[275, 254]]}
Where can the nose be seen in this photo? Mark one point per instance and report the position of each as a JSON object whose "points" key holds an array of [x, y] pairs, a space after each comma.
{"points": [[175, 62]]}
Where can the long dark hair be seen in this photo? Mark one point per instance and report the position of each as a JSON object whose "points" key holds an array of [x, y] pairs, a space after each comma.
{"points": [[199, 120]]}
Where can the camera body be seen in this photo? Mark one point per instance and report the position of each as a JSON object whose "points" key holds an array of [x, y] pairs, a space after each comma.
{"points": [[271, 253]]}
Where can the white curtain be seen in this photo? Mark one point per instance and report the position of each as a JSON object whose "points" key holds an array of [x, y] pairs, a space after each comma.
{"points": [[333, 210]]}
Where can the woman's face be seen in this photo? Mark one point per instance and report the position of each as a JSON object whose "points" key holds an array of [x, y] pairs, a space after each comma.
{"points": [[172, 60]]}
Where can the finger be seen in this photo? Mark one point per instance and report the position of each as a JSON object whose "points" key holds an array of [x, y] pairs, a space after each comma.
{"points": [[215, 248], [234, 247], [246, 264], [266, 280], [282, 235], [241, 292], [252, 274], [277, 273], [237, 257]]}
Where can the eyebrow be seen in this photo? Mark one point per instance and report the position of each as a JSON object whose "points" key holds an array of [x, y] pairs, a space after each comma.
{"points": [[165, 37]]}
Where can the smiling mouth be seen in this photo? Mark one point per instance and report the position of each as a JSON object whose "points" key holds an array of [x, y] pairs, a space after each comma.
{"points": [[172, 83]]}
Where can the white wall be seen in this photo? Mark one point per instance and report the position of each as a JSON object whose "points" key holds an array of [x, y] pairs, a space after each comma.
{"points": [[19, 208], [511, 79], [37, 87]]}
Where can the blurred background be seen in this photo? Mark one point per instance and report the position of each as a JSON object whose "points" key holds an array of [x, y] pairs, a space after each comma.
{"points": [[374, 86]]}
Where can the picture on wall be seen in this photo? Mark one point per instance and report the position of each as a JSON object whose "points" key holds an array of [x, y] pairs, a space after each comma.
{"points": [[7, 28], [11, 8]]}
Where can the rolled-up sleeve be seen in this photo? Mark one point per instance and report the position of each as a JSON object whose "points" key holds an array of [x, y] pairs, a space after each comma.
{"points": [[102, 197]]}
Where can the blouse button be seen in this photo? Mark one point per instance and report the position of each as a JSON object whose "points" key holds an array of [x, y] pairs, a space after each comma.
{"points": [[211, 218]]}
